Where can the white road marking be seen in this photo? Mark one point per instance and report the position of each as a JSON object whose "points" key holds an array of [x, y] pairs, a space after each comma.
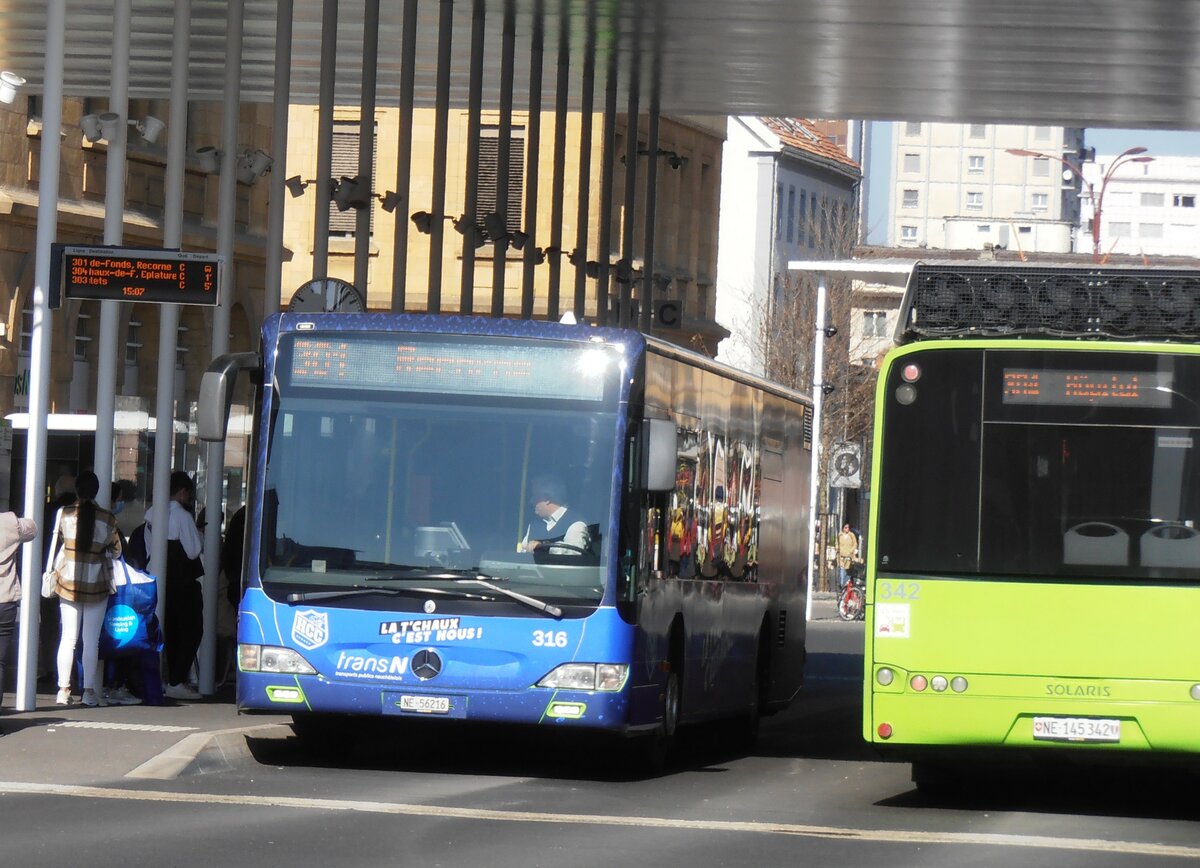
{"points": [[897, 836], [124, 727]]}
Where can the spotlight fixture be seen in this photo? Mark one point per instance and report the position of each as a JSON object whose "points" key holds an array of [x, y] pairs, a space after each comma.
{"points": [[9, 83], [253, 165], [110, 125], [209, 160], [295, 185], [423, 220], [149, 128], [90, 124], [469, 230], [349, 193]]}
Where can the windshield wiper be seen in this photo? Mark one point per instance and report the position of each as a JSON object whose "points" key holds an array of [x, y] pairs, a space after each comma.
{"points": [[533, 602], [356, 590]]}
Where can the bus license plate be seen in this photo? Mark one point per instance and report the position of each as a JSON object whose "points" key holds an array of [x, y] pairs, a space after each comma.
{"points": [[1076, 729], [425, 704]]}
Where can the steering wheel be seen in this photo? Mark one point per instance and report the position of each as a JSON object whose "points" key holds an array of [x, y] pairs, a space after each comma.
{"points": [[546, 546]]}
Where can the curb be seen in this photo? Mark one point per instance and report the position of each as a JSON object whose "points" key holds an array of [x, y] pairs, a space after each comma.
{"points": [[202, 752]]}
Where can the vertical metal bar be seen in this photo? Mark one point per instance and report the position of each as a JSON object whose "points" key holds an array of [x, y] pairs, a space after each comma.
{"points": [[325, 96], [39, 380], [647, 294], [366, 144], [466, 303], [408, 75], [631, 158], [168, 317], [114, 225], [441, 136], [608, 158], [818, 394], [504, 155], [226, 217], [560, 158], [281, 96], [533, 143], [586, 100]]}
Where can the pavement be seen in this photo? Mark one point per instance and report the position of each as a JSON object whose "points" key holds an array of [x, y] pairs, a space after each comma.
{"points": [[91, 746]]}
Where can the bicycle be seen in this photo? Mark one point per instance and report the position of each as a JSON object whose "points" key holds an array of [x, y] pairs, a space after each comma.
{"points": [[852, 602]]}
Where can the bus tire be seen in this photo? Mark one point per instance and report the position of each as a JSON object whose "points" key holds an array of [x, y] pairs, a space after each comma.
{"points": [[325, 733], [650, 753]]}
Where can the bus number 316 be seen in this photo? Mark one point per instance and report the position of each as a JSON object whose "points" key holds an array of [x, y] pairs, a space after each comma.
{"points": [[549, 638]]}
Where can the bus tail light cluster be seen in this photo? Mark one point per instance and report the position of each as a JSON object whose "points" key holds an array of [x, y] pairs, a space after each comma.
{"points": [[268, 658], [937, 683]]}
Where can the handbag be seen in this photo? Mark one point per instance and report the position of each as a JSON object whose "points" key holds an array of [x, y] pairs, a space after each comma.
{"points": [[50, 574], [130, 623]]}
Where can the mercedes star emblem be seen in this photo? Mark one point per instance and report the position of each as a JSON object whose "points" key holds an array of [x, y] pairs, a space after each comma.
{"points": [[426, 664]]}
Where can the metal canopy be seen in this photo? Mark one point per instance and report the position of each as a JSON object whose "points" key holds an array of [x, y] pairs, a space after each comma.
{"points": [[1124, 63]]}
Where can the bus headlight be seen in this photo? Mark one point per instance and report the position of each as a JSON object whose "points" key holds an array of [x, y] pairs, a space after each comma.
{"points": [[587, 676], [268, 658]]}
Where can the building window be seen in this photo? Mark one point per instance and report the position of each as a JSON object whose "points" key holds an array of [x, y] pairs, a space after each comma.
{"points": [[1041, 134], [910, 199], [181, 347], [975, 165], [1150, 230], [1041, 168], [974, 201], [984, 227], [1024, 230], [489, 161], [1041, 201], [132, 344], [1119, 230], [82, 326], [1181, 201], [802, 227], [976, 131], [778, 211], [345, 164], [912, 163], [791, 215], [911, 129], [875, 324], [1151, 200], [812, 216], [908, 233]]}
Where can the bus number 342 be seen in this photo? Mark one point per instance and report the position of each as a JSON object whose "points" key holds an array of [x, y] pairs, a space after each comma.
{"points": [[549, 638], [898, 591]]}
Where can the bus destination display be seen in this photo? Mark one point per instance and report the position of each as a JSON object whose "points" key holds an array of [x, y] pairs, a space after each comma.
{"points": [[1087, 388], [135, 274], [447, 367]]}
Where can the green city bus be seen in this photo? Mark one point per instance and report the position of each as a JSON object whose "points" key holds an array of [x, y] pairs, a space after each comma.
{"points": [[1033, 578]]}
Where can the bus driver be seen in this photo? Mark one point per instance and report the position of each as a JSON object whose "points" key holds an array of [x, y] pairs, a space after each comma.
{"points": [[559, 530]]}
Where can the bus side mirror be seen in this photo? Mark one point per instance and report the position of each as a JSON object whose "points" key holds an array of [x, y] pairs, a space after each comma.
{"points": [[659, 454], [216, 393]]}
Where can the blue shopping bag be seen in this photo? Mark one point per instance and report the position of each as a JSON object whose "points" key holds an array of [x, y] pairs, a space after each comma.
{"points": [[130, 624]]}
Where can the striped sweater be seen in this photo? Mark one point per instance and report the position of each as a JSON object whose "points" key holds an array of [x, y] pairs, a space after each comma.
{"points": [[86, 576]]}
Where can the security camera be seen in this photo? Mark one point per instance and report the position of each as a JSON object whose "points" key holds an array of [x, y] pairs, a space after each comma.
{"points": [[830, 331]]}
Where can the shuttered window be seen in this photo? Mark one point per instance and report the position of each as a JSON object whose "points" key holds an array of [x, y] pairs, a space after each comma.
{"points": [[489, 154], [345, 163]]}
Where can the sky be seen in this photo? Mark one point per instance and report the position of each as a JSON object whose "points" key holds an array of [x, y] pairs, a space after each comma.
{"points": [[1159, 142]]}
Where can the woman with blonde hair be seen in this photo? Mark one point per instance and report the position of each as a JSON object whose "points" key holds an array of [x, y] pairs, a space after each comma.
{"points": [[89, 539]]}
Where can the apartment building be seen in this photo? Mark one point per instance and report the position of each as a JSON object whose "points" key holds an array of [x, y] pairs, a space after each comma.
{"points": [[1148, 208]]}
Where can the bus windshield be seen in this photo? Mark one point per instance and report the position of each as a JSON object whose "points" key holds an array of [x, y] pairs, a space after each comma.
{"points": [[427, 461], [1030, 464]]}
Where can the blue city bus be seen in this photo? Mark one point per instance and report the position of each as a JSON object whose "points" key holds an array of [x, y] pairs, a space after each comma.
{"points": [[399, 464]]}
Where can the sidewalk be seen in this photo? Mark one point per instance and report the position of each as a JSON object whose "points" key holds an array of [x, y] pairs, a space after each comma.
{"points": [[80, 745]]}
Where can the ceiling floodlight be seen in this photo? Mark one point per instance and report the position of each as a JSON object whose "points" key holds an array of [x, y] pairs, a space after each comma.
{"points": [[209, 159], [348, 193], [253, 165], [9, 83], [110, 125], [90, 124], [149, 128]]}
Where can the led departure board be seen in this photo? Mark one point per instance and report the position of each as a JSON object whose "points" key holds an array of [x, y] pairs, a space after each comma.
{"points": [[1087, 388], [136, 274], [435, 364]]}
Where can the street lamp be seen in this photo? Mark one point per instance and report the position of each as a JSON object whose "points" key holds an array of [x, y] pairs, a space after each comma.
{"points": [[1129, 155]]}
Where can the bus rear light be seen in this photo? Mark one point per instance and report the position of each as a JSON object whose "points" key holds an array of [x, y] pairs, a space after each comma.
{"points": [[1196, 691], [885, 730], [885, 676], [910, 373], [958, 684], [938, 683], [918, 683]]}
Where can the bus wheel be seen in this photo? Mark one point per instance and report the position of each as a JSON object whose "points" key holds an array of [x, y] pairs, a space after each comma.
{"points": [[650, 753], [325, 733]]}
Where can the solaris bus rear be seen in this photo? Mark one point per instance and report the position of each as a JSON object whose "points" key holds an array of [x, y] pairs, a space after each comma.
{"points": [[515, 522], [1034, 549]]}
